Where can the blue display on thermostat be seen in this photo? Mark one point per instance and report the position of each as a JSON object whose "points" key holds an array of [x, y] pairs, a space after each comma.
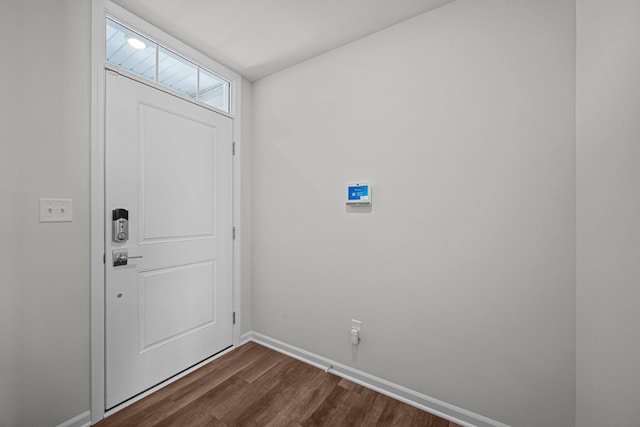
{"points": [[358, 193]]}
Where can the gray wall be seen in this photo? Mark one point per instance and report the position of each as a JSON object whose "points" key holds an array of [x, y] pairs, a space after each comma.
{"points": [[44, 303], [472, 283], [246, 201], [608, 163], [463, 273], [11, 246], [45, 134]]}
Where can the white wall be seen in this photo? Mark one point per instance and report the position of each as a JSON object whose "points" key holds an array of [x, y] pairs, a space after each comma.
{"points": [[44, 304], [11, 247], [464, 271], [473, 103], [246, 203], [45, 135], [608, 159]]}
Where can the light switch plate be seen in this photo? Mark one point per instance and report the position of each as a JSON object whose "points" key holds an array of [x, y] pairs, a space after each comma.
{"points": [[56, 210]]}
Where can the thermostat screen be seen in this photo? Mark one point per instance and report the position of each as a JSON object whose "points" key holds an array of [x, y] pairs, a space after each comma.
{"points": [[358, 193]]}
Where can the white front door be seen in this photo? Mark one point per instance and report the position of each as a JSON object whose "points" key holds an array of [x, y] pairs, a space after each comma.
{"points": [[168, 167]]}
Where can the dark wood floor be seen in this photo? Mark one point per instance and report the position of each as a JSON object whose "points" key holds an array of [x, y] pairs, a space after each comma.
{"points": [[256, 386]]}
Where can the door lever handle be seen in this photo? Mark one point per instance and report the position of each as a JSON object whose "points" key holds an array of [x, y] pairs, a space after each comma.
{"points": [[121, 256]]}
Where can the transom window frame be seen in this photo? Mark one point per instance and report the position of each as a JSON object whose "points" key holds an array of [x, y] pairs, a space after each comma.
{"points": [[192, 90]]}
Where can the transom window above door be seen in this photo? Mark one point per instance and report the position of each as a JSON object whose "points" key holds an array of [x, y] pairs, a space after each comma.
{"points": [[137, 54]]}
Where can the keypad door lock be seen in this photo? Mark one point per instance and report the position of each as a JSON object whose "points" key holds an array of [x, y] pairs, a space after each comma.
{"points": [[120, 225]]}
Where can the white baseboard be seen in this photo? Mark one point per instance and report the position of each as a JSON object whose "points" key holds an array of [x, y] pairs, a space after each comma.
{"points": [[426, 403], [246, 337], [82, 420]]}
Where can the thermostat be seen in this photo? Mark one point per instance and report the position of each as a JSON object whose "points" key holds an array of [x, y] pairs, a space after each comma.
{"points": [[359, 194]]}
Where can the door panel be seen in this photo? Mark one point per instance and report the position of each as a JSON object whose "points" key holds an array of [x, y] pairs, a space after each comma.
{"points": [[186, 148], [168, 162], [175, 301]]}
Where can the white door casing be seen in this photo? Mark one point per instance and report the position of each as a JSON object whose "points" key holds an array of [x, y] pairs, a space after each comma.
{"points": [[169, 163]]}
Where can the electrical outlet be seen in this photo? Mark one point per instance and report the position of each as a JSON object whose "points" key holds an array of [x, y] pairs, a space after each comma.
{"points": [[356, 327], [56, 210]]}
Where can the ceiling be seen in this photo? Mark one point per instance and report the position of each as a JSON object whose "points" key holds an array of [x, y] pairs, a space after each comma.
{"points": [[259, 37]]}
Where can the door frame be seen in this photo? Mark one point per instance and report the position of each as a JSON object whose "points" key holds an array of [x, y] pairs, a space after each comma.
{"points": [[101, 9]]}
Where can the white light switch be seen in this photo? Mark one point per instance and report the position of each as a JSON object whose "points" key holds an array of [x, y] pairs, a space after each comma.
{"points": [[56, 210]]}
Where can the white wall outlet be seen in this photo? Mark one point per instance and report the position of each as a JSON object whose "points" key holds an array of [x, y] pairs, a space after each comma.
{"points": [[356, 327], [56, 210]]}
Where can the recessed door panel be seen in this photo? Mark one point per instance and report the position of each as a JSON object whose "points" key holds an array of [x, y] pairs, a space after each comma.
{"points": [[177, 163], [175, 301]]}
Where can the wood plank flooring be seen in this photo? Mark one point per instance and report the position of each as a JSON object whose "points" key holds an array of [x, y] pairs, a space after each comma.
{"points": [[256, 386]]}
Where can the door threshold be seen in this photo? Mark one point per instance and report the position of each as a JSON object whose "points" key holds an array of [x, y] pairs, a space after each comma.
{"points": [[166, 382]]}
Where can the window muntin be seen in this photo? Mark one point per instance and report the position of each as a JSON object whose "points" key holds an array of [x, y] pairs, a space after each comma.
{"points": [[160, 65]]}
